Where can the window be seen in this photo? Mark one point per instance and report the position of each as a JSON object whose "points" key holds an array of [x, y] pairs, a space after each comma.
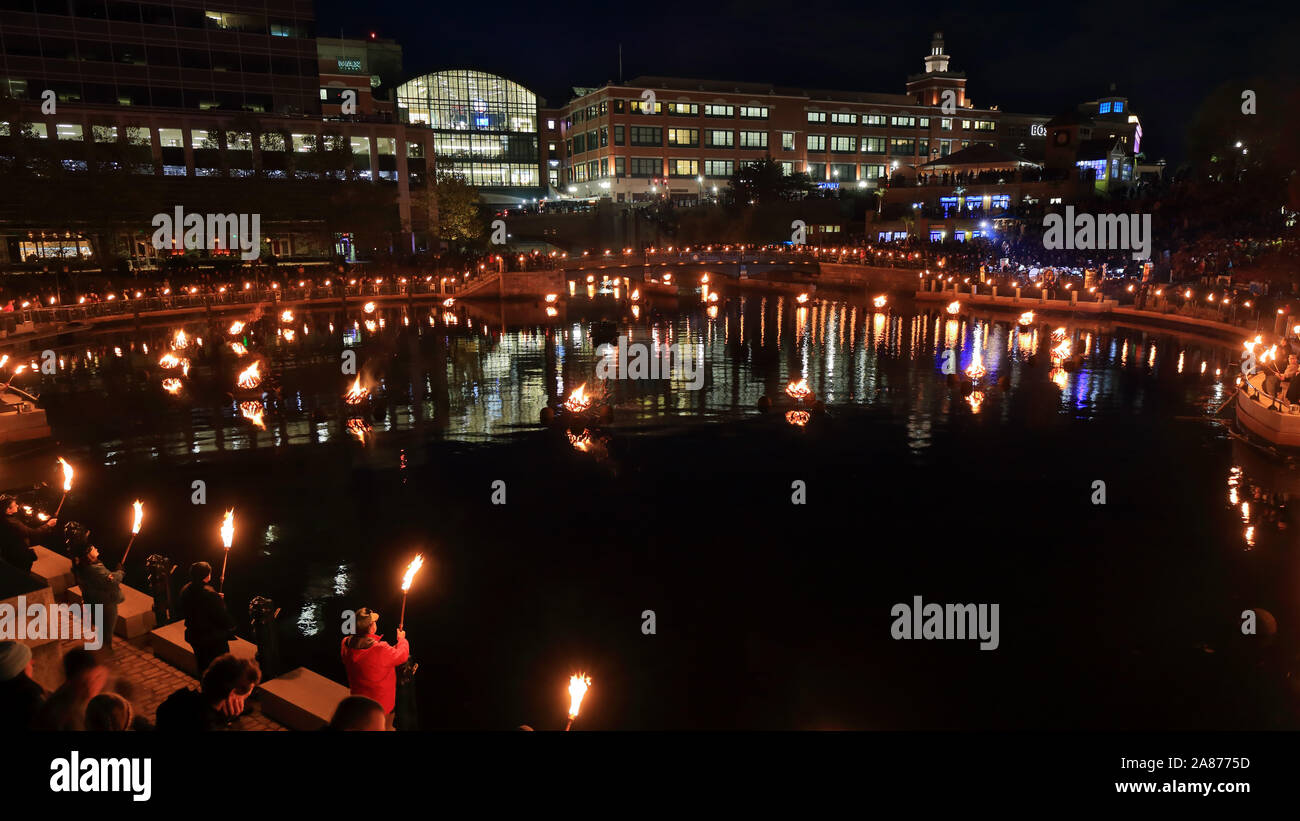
{"points": [[639, 107], [923, 147], [550, 125], [753, 139], [104, 133], [68, 132], [1104, 108], [872, 172], [985, 125], [171, 138], [787, 141], [717, 138], [591, 140], [647, 135], [922, 122], [873, 145], [844, 119], [816, 142], [816, 116], [303, 142], [844, 145], [902, 121], [645, 167], [719, 111], [1002, 201], [902, 147], [842, 172], [201, 138], [683, 168], [787, 168], [945, 124], [719, 168], [873, 119], [749, 112], [817, 170], [579, 143], [620, 166], [945, 148], [1119, 106], [684, 109], [618, 135], [684, 137]]}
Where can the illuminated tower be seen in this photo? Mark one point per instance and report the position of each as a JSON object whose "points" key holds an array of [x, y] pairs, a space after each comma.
{"points": [[928, 88]]}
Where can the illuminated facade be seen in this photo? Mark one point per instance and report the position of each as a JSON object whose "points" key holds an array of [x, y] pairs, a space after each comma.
{"points": [[484, 125]]}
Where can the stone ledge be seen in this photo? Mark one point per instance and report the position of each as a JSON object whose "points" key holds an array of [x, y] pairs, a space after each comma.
{"points": [[301, 699]]}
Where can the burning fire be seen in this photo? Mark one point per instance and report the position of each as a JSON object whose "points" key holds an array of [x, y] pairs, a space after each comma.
{"points": [[359, 428], [578, 685], [228, 528], [172, 385], [357, 393], [798, 418], [250, 377], [236, 328], [1026, 319], [552, 297], [287, 316], [180, 341], [411, 570], [582, 442], [1060, 377], [1063, 350], [975, 399], [139, 515], [369, 307], [801, 299], [954, 307], [798, 390], [169, 361], [67, 475], [238, 348], [879, 301], [578, 400], [253, 412]]}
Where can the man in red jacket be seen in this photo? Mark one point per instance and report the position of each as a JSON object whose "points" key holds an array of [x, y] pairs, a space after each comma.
{"points": [[372, 664]]}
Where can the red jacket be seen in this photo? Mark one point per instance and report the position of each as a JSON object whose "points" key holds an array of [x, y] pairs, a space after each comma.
{"points": [[372, 671]]}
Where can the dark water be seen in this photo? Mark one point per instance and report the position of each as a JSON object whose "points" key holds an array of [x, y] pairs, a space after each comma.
{"points": [[769, 614]]}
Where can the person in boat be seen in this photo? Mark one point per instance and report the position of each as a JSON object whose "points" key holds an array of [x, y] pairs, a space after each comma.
{"points": [[16, 536]]}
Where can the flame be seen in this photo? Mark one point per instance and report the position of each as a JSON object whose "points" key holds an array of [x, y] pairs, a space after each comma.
{"points": [[357, 393], [180, 341], [1059, 376], [954, 307], [578, 685], [169, 360], [253, 412], [552, 297], [17, 371], [448, 302], [250, 377], [369, 307], [411, 570], [1027, 318], [578, 400], [3, 360], [359, 428], [67, 475], [582, 442], [550, 311], [636, 294], [798, 418], [236, 328], [879, 301], [975, 399], [228, 528], [139, 515], [1059, 333], [238, 348], [172, 385], [286, 316], [801, 299], [1063, 350], [288, 334], [798, 390], [1269, 355]]}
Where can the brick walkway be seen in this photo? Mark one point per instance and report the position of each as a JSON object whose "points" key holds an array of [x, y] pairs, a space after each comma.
{"points": [[147, 681]]}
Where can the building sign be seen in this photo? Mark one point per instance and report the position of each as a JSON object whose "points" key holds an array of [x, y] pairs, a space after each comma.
{"points": [[1038, 130], [349, 65]]}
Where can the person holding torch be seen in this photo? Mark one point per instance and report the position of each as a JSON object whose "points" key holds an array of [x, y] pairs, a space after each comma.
{"points": [[372, 663]]}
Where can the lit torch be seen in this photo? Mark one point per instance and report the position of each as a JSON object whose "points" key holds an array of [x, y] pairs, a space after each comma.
{"points": [[227, 536], [357, 394], [798, 391], [578, 685], [250, 377], [67, 484], [411, 570], [578, 400], [135, 528]]}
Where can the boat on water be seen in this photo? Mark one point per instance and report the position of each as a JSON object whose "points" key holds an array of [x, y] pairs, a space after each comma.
{"points": [[21, 419], [1270, 417]]}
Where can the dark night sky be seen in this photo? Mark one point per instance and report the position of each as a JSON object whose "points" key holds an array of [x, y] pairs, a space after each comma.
{"points": [[1037, 57]]}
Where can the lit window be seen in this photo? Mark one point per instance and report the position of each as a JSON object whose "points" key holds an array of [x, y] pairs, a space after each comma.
{"points": [[1104, 108], [1119, 106]]}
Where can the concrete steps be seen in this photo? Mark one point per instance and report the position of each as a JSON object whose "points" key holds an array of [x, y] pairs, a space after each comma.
{"points": [[169, 644], [301, 699], [135, 616]]}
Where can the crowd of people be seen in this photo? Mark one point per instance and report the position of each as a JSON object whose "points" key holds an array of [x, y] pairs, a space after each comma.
{"points": [[226, 681]]}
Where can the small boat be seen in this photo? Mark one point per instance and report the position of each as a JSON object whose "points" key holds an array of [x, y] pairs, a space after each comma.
{"points": [[1269, 417], [20, 418]]}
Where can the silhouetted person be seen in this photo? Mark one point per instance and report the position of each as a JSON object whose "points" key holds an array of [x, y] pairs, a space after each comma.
{"points": [[20, 696], [84, 679], [220, 699], [16, 536], [359, 713], [208, 625]]}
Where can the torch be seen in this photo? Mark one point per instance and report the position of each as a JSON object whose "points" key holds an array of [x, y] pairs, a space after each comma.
{"points": [[227, 536], [578, 685], [135, 528], [411, 570], [67, 484]]}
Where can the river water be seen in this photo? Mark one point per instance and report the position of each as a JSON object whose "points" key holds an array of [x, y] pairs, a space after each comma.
{"points": [[768, 613]]}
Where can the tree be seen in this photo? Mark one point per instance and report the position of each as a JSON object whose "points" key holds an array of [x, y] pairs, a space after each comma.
{"points": [[454, 210], [763, 182]]}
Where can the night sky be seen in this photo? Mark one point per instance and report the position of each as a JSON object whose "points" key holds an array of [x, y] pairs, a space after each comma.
{"points": [[1022, 56]]}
